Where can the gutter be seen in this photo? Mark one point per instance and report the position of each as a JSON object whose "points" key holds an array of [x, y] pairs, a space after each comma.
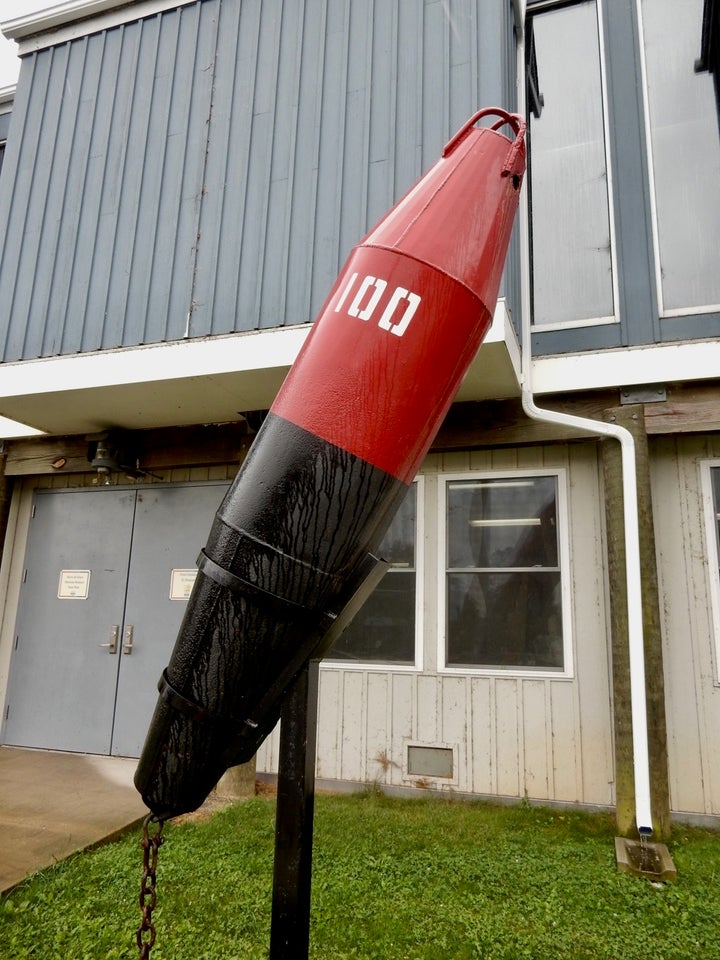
{"points": [[641, 760]]}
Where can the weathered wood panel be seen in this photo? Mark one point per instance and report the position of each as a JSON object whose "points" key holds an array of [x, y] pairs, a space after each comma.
{"points": [[213, 444], [567, 763], [353, 724], [693, 696], [378, 728], [592, 693], [482, 725], [329, 737], [536, 736], [509, 738], [403, 710], [427, 721]]}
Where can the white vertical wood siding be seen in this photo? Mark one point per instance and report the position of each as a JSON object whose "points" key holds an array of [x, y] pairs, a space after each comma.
{"points": [[692, 693], [544, 738]]}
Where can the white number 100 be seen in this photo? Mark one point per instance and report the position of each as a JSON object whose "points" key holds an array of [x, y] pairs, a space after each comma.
{"points": [[368, 296]]}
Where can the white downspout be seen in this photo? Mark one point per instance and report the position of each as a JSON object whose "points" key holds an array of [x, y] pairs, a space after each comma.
{"points": [[641, 760]]}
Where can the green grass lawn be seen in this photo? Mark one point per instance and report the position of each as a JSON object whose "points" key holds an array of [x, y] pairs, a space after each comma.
{"points": [[392, 878]]}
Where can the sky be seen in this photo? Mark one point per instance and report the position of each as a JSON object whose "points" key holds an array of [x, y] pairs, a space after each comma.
{"points": [[9, 10]]}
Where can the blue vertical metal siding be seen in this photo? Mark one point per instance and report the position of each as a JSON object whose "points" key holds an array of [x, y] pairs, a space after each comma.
{"points": [[207, 169]]}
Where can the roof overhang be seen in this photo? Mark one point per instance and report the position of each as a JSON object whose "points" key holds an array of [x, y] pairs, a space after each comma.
{"points": [[678, 362], [58, 23], [213, 380]]}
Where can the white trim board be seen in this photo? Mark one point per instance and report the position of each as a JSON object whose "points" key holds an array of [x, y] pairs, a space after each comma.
{"points": [[626, 366], [203, 380], [78, 18]]}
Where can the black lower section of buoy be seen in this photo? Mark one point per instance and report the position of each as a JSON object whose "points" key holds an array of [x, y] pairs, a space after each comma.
{"points": [[291, 543]]}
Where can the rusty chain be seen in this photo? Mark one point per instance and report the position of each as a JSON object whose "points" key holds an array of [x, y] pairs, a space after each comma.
{"points": [[151, 843]]}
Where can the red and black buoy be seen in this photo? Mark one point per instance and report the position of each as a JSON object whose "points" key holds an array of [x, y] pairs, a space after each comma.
{"points": [[297, 531]]}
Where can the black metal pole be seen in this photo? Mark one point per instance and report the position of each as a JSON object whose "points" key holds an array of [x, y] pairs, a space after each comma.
{"points": [[290, 924]]}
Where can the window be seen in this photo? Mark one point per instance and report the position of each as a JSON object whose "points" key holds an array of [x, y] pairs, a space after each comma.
{"points": [[504, 573], [571, 226], [384, 629], [685, 158], [709, 58], [711, 494], [423, 761]]}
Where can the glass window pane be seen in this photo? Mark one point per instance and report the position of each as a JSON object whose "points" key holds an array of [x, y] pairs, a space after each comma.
{"points": [[429, 761], [685, 154], [503, 582], [505, 620], [398, 545], [571, 262], [384, 629], [502, 523], [715, 474]]}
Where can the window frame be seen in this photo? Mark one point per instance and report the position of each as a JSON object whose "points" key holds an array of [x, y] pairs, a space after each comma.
{"points": [[534, 8], [389, 666], [709, 59], [424, 778], [710, 518], [563, 543], [663, 314]]}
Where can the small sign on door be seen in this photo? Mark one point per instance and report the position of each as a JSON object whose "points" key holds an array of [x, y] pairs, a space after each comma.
{"points": [[181, 583], [74, 585]]}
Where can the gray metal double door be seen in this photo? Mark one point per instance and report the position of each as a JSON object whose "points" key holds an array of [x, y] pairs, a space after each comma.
{"points": [[106, 577]]}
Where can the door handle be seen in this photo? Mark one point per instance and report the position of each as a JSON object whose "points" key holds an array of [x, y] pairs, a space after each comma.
{"points": [[113, 644], [128, 640]]}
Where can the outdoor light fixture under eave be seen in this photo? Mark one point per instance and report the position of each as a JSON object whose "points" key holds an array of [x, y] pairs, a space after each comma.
{"points": [[101, 455], [114, 451]]}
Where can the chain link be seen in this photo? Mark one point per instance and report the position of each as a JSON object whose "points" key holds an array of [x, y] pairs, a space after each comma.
{"points": [[151, 843]]}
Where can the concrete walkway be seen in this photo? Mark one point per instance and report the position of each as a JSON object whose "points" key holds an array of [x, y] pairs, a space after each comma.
{"points": [[53, 804]]}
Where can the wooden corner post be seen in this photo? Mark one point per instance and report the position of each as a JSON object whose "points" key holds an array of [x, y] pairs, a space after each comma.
{"points": [[632, 418]]}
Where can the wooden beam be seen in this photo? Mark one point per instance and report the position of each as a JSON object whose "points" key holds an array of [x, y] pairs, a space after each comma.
{"points": [[154, 449], [503, 422], [473, 425], [6, 489], [687, 409], [631, 417]]}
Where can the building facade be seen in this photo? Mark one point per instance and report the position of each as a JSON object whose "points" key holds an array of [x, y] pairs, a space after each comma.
{"points": [[181, 185]]}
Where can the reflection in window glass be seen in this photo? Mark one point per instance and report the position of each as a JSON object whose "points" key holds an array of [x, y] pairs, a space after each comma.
{"points": [[715, 475], [570, 230], [504, 593], [685, 155], [384, 629]]}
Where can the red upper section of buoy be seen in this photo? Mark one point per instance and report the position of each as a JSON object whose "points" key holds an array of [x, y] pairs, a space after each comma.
{"points": [[411, 306]]}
